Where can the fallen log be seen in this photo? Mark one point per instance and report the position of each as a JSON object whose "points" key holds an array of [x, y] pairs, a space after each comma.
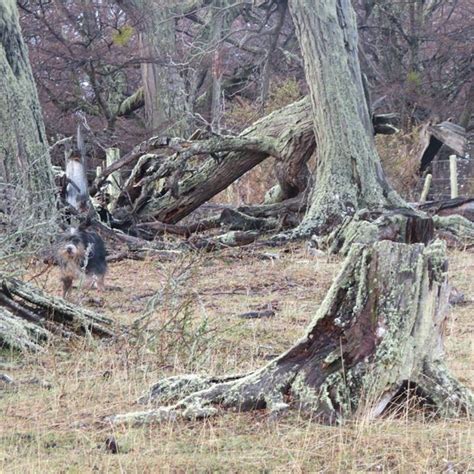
{"points": [[229, 239], [459, 206], [378, 332], [236, 220], [232, 219], [286, 134], [29, 317]]}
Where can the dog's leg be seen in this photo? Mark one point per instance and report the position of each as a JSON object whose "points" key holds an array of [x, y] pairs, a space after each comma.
{"points": [[67, 284], [100, 282]]}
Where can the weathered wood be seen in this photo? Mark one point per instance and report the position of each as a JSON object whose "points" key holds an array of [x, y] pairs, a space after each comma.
{"points": [[460, 206], [236, 220], [432, 138], [290, 126], [457, 230], [18, 334], [28, 317], [132, 103], [349, 175], [25, 165], [295, 205], [229, 239], [453, 176], [379, 329], [290, 135], [386, 124], [452, 135], [115, 179], [402, 225], [426, 188]]}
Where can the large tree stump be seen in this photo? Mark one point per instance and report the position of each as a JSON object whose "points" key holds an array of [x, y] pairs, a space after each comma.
{"points": [[379, 330]]}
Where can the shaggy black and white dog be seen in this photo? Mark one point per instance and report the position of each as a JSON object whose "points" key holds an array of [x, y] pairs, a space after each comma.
{"points": [[81, 252]]}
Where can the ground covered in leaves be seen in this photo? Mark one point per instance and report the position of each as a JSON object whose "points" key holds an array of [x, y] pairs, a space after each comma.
{"points": [[196, 313]]}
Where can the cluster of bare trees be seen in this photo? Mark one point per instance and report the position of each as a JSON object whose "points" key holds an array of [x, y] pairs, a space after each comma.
{"points": [[379, 328], [195, 60]]}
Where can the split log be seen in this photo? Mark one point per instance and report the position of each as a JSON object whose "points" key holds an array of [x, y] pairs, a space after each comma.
{"points": [[378, 331], [295, 205], [29, 317]]}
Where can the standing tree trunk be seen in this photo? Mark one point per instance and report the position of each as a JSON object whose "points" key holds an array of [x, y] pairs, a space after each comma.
{"points": [[349, 175], [218, 21], [26, 181], [164, 89]]}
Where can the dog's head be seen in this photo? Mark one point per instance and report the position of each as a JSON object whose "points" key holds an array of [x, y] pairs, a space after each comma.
{"points": [[72, 246]]}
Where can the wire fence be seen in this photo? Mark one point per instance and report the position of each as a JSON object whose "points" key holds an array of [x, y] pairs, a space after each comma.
{"points": [[441, 182]]}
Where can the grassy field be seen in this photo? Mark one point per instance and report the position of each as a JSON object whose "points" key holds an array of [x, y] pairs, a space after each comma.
{"points": [[187, 319]]}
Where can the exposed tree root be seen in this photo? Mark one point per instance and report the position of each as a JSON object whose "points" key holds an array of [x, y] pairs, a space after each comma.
{"points": [[379, 328]]}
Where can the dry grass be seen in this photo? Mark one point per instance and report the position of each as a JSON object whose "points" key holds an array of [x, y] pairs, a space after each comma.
{"points": [[61, 429]]}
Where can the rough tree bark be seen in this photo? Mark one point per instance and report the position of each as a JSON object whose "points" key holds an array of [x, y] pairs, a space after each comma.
{"points": [[164, 89], [378, 331], [349, 176], [25, 166]]}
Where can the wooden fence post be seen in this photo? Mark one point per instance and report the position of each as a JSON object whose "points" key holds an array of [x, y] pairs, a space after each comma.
{"points": [[426, 188], [453, 173]]}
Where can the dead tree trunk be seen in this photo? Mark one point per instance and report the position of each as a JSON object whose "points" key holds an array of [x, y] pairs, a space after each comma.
{"points": [[378, 331]]}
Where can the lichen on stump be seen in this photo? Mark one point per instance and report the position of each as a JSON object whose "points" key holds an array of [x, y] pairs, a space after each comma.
{"points": [[378, 330]]}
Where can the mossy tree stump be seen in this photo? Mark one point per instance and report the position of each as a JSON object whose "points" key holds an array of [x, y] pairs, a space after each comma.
{"points": [[379, 330]]}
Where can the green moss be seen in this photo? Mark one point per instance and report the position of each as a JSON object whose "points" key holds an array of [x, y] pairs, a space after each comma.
{"points": [[123, 35]]}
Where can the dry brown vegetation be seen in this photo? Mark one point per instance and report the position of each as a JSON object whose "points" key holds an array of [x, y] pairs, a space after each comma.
{"points": [[186, 313]]}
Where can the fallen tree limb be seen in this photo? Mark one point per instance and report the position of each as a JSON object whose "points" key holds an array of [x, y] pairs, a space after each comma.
{"points": [[459, 206], [456, 230], [229, 239], [29, 317], [236, 220]]}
